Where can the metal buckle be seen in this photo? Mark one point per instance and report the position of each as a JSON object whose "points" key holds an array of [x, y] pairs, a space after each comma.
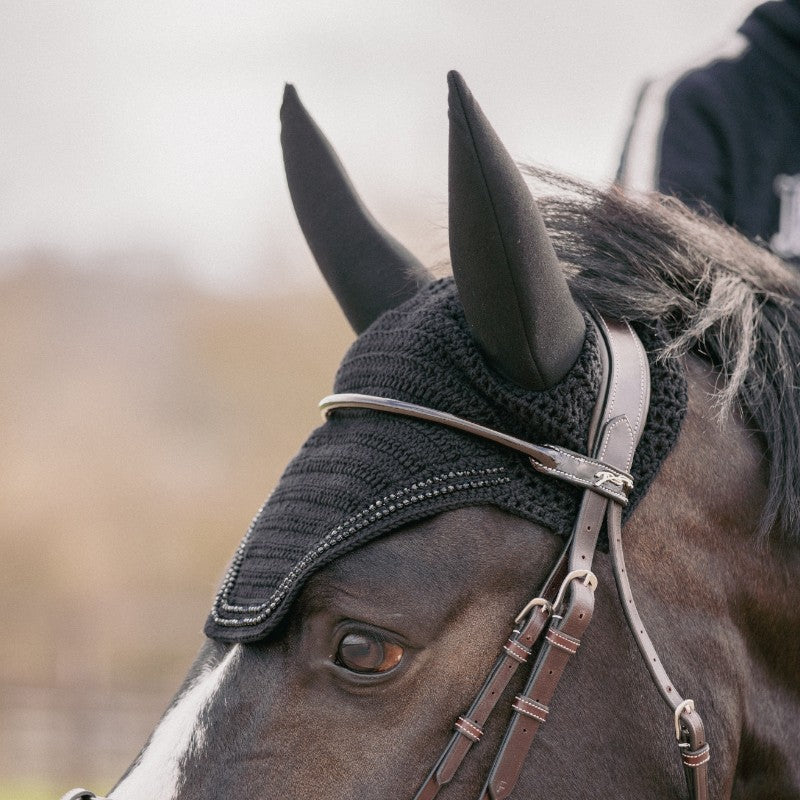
{"points": [[686, 705], [624, 482], [589, 579], [537, 601]]}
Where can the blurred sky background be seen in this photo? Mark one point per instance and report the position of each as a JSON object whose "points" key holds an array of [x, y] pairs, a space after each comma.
{"points": [[164, 337], [153, 126]]}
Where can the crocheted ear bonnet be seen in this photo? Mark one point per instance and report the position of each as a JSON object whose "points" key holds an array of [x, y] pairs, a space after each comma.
{"points": [[365, 473]]}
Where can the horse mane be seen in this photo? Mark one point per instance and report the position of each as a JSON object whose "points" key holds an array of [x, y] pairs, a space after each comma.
{"points": [[717, 294]]}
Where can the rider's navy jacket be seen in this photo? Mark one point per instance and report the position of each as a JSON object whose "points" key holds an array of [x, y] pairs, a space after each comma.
{"points": [[726, 132]]}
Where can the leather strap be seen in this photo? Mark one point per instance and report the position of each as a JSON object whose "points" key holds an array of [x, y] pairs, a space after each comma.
{"points": [[469, 726], [622, 343], [574, 468], [689, 728], [531, 622], [532, 706], [628, 393], [623, 410]]}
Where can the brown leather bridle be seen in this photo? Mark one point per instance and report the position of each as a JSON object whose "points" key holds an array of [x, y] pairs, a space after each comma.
{"points": [[556, 618]]}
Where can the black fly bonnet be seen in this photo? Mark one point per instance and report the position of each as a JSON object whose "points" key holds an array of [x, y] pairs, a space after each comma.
{"points": [[534, 373], [364, 473], [500, 353]]}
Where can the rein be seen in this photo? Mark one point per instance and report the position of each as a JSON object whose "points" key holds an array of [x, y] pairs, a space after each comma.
{"points": [[558, 615]]}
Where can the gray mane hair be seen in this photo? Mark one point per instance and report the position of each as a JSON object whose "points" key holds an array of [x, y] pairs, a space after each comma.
{"points": [[717, 294]]}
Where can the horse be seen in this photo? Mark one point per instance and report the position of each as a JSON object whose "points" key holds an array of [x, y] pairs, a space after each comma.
{"points": [[372, 599]]}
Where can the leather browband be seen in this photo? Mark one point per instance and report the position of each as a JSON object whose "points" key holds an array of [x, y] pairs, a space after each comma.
{"points": [[549, 620], [587, 473]]}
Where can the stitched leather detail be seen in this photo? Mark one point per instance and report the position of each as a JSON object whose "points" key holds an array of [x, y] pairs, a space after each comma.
{"points": [[517, 650], [695, 758], [563, 641], [530, 708], [588, 473], [469, 729], [541, 684], [492, 690]]}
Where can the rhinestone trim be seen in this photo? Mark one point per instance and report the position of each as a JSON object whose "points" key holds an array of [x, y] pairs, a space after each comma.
{"points": [[415, 494]]}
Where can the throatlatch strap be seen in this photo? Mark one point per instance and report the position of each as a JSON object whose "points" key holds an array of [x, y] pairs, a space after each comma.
{"points": [[689, 728]]}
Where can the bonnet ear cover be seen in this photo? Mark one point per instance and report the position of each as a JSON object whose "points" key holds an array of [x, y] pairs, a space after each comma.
{"points": [[363, 474], [367, 269], [512, 287]]}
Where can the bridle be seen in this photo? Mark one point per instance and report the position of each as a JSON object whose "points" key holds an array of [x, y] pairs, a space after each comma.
{"points": [[549, 628], [556, 618]]}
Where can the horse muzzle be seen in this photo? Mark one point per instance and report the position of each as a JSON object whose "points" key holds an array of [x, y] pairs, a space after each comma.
{"points": [[81, 794]]}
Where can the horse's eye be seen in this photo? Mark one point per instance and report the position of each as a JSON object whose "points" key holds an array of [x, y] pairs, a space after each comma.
{"points": [[364, 653]]}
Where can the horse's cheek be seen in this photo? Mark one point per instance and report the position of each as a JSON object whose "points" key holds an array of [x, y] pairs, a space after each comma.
{"points": [[379, 732], [278, 705]]}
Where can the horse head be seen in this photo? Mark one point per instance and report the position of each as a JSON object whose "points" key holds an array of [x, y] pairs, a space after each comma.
{"points": [[373, 598]]}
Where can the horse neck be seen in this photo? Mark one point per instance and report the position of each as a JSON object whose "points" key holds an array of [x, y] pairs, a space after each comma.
{"points": [[729, 598]]}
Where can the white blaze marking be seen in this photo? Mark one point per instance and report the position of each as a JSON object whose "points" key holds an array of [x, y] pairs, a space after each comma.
{"points": [[157, 776]]}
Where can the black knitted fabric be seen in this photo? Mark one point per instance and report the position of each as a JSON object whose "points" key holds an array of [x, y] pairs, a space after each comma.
{"points": [[364, 473]]}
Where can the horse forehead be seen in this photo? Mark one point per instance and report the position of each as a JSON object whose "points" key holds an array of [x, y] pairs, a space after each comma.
{"points": [[432, 557]]}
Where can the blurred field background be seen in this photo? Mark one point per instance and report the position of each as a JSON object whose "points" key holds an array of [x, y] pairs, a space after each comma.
{"points": [[164, 338], [144, 425]]}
